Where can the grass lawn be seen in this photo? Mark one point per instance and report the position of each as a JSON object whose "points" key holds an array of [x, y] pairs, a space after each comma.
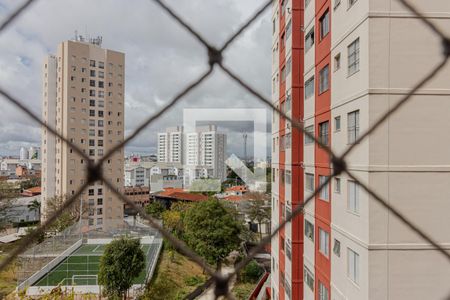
{"points": [[84, 264], [175, 277], [8, 279], [242, 290]]}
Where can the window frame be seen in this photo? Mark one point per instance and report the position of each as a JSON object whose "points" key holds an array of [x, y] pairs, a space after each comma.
{"points": [[324, 236], [324, 79], [353, 205], [353, 57], [353, 273], [324, 25]]}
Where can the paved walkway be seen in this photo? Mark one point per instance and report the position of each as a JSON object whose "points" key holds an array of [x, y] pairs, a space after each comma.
{"points": [[209, 293]]}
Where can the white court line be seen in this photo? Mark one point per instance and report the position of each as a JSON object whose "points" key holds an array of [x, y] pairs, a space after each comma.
{"points": [[95, 249]]}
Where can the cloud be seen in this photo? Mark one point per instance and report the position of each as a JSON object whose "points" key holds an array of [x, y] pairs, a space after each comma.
{"points": [[161, 58]]}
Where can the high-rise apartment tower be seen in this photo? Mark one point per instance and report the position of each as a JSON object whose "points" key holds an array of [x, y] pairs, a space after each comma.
{"points": [[338, 65], [83, 99]]}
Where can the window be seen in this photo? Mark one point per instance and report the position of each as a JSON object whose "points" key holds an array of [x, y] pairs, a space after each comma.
{"points": [[323, 132], [288, 250], [324, 242], [274, 25], [309, 87], [309, 278], [283, 74], [92, 93], [288, 29], [288, 176], [324, 192], [92, 63], [101, 65], [337, 248], [337, 185], [353, 265], [337, 62], [308, 138], [353, 126], [323, 79], [324, 24], [353, 57], [91, 192], [91, 152], [92, 113], [92, 143], [351, 2], [309, 230], [289, 65], [101, 84], [91, 102], [353, 197], [101, 74], [287, 140], [92, 83], [309, 40], [337, 123], [287, 288], [288, 102], [323, 292], [91, 132], [309, 182]]}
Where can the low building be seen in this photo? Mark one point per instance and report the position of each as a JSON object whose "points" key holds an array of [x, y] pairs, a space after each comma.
{"points": [[20, 210], [140, 195], [156, 175], [172, 195], [34, 191]]}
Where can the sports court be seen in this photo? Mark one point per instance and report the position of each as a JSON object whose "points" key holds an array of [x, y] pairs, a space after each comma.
{"points": [[81, 267]]}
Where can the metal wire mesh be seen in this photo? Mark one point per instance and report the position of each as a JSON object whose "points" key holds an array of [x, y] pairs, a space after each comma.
{"points": [[215, 59]]}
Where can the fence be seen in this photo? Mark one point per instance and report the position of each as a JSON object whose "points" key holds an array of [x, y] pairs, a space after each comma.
{"points": [[215, 60]]}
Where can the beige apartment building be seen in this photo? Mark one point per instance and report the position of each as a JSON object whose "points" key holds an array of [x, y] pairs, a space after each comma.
{"points": [[83, 99], [338, 66]]}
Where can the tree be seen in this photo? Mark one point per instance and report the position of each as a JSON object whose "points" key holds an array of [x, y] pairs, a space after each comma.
{"points": [[122, 261], [155, 209], [211, 231], [251, 272], [258, 209], [8, 192], [67, 217], [35, 206], [172, 221]]}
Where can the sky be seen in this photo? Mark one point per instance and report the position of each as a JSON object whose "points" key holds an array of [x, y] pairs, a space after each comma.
{"points": [[161, 59]]}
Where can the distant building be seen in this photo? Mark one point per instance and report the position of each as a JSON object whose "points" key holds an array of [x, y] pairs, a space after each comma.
{"points": [[34, 153], [172, 195], [83, 99], [8, 166], [205, 154], [34, 191], [156, 175], [170, 145], [20, 210], [23, 153], [139, 195]]}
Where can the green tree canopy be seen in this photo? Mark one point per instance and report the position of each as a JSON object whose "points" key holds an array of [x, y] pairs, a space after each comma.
{"points": [[121, 262], [155, 209], [211, 231]]}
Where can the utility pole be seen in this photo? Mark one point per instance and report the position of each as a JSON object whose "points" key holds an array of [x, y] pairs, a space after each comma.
{"points": [[244, 136]]}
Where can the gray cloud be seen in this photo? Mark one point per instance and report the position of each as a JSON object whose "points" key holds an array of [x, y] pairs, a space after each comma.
{"points": [[161, 58]]}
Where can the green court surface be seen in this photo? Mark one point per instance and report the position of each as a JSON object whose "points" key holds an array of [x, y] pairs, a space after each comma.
{"points": [[84, 264]]}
